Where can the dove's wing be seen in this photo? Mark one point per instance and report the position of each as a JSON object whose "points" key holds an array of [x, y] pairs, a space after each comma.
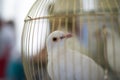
{"points": [[71, 65]]}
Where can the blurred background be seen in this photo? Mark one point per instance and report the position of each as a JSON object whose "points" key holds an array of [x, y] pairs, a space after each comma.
{"points": [[12, 15]]}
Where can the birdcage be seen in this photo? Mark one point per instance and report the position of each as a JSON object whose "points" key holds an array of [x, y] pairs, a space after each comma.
{"points": [[95, 29]]}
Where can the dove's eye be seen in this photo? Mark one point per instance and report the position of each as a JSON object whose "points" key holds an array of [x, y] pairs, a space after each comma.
{"points": [[54, 39]]}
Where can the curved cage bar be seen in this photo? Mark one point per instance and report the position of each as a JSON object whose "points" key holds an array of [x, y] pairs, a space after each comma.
{"points": [[95, 26]]}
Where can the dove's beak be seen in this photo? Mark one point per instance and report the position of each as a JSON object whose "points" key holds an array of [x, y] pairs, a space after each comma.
{"points": [[68, 35]]}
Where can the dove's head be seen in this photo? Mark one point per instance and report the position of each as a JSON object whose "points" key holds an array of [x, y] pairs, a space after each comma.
{"points": [[56, 40]]}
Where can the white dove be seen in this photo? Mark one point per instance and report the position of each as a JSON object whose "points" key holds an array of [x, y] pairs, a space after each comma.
{"points": [[65, 64]]}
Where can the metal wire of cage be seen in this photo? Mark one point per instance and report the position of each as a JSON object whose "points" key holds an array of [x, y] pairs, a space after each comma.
{"points": [[95, 25]]}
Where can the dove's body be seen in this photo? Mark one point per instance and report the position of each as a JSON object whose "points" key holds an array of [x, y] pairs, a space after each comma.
{"points": [[72, 65], [65, 64]]}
